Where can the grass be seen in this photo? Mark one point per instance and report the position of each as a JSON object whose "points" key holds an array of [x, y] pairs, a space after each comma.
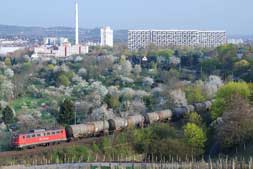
{"points": [[29, 102]]}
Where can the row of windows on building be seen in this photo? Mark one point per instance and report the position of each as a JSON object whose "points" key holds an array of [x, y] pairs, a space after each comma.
{"points": [[142, 38]]}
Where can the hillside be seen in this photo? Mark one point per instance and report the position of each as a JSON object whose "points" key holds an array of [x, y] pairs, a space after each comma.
{"points": [[39, 32]]}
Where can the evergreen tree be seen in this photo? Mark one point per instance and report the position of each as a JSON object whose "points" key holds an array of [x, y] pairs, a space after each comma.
{"points": [[66, 114], [8, 115]]}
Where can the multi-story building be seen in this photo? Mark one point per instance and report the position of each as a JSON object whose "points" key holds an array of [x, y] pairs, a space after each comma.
{"points": [[211, 39], [106, 36], [139, 39]]}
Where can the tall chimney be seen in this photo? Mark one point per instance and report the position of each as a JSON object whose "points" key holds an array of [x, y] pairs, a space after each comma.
{"points": [[77, 24]]}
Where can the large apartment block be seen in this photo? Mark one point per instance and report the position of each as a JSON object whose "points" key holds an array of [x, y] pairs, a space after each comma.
{"points": [[139, 39]]}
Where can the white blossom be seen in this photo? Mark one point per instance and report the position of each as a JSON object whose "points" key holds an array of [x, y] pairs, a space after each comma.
{"points": [[127, 92], [99, 88], [82, 72], [212, 85], [77, 79], [9, 73], [102, 113], [141, 93], [178, 98], [113, 91], [148, 81], [137, 70], [126, 79], [6, 90]]}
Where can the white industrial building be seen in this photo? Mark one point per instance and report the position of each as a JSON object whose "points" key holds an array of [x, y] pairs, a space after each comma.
{"points": [[139, 39], [63, 50], [106, 34]]}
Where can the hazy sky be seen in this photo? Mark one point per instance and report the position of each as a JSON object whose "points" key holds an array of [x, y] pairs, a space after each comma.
{"points": [[234, 16]]}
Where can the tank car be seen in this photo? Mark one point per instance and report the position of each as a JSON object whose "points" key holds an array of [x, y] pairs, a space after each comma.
{"points": [[135, 121], [117, 124], [101, 127], [151, 118], [165, 115], [208, 105], [179, 113], [202, 107], [190, 108], [80, 130]]}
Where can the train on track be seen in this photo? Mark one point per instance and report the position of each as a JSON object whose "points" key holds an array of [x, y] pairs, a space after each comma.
{"points": [[43, 137]]}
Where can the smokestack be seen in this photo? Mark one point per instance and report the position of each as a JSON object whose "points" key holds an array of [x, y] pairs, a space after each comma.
{"points": [[77, 24]]}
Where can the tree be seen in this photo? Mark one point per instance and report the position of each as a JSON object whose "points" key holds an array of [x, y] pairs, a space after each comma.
{"points": [[112, 101], [8, 115], [137, 70], [194, 94], [195, 135], [195, 118], [237, 123], [166, 53], [63, 80], [66, 114], [6, 90], [127, 68], [7, 61], [224, 97]]}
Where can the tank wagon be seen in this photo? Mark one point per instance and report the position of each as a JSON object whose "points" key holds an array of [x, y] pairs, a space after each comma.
{"points": [[202, 107], [101, 127], [97, 128], [117, 124], [151, 118], [135, 121], [87, 129], [165, 115], [80, 130]]}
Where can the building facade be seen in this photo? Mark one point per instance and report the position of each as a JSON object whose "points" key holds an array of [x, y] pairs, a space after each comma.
{"points": [[106, 34], [140, 39], [63, 50]]}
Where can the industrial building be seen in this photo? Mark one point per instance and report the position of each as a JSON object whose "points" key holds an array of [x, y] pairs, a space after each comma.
{"points": [[60, 47]]}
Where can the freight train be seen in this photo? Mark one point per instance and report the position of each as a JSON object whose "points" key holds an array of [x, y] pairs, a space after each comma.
{"points": [[44, 137]]}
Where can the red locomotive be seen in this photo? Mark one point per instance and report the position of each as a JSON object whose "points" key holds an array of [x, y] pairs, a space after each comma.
{"points": [[39, 137]]}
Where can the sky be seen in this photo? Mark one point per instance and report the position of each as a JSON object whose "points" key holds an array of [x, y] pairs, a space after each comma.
{"points": [[234, 16]]}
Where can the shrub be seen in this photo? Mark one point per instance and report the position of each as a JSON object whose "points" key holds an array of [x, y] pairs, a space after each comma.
{"points": [[8, 115], [195, 136], [66, 114]]}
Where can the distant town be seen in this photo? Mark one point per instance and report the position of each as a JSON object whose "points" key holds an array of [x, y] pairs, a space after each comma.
{"points": [[63, 42]]}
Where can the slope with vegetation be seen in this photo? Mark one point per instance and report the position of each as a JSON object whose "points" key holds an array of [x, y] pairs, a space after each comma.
{"points": [[108, 83]]}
